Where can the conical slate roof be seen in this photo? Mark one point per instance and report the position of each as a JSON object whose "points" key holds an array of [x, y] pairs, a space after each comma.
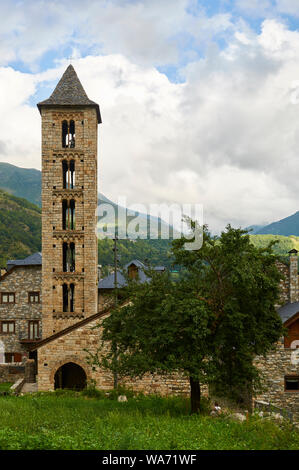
{"points": [[69, 92]]}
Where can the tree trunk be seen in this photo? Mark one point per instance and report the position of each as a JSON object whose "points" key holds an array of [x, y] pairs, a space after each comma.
{"points": [[195, 395]]}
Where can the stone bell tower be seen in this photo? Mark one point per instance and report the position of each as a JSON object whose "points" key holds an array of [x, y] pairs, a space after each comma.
{"points": [[69, 201]]}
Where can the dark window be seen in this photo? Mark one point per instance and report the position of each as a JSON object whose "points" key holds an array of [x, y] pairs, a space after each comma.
{"points": [[33, 297], [68, 134], [9, 357], [64, 134], [72, 174], [65, 297], [72, 134], [12, 357], [64, 214], [292, 383], [68, 293], [68, 215], [72, 297], [68, 256], [33, 329], [7, 297], [68, 174], [133, 271], [64, 174], [7, 327]]}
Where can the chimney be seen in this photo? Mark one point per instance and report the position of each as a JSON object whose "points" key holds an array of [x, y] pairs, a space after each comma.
{"points": [[293, 275]]}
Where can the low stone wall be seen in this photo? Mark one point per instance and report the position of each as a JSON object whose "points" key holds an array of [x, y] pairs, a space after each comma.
{"points": [[11, 372]]}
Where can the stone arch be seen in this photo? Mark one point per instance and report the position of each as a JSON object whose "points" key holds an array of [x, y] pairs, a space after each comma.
{"points": [[2, 352], [66, 360]]}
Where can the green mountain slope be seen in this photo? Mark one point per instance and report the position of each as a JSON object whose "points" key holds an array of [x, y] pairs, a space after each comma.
{"points": [[287, 226], [26, 183], [282, 247], [20, 228], [21, 182]]}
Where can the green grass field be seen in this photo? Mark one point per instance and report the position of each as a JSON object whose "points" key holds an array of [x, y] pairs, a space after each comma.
{"points": [[5, 386], [67, 421]]}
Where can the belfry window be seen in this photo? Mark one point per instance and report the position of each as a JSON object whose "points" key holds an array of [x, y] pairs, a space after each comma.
{"points": [[68, 134], [72, 297], [68, 297], [68, 215], [68, 255], [68, 174], [65, 297]]}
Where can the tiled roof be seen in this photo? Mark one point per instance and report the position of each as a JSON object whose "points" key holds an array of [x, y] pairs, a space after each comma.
{"points": [[32, 260], [137, 263], [287, 311], [70, 92], [108, 281]]}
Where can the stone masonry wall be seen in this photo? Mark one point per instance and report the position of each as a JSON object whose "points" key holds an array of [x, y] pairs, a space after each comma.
{"points": [[70, 348], [11, 372], [20, 281], [284, 283], [274, 368], [83, 235]]}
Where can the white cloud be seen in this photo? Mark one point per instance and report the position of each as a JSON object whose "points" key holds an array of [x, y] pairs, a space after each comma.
{"points": [[288, 6], [147, 32], [227, 137]]}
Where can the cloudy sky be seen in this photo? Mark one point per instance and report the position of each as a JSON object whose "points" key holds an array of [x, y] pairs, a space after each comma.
{"points": [[199, 99]]}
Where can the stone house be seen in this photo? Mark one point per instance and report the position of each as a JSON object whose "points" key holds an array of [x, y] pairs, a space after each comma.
{"points": [[133, 269], [280, 368], [20, 314]]}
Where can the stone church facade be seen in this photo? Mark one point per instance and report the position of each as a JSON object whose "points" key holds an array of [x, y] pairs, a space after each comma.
{"points": [[69, 269]]}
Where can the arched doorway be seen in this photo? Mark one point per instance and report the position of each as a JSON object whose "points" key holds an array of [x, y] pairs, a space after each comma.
{"points": [[70, 375]]}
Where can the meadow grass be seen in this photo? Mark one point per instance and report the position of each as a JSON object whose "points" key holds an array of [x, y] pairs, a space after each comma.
{"points": [[5, 386], [72, 421]]}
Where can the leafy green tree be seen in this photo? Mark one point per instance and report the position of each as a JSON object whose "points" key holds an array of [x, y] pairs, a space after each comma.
{"points": [[209, 324]]}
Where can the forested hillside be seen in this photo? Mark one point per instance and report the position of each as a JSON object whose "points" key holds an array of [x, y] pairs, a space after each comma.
{"points": [[282, 247], [20, 228]]}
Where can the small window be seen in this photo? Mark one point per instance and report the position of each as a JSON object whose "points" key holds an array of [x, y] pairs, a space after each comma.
{"points": [[7, 327], [9, 357], [33, 297], [292, 383], [33, 329], [7, 298], [133, 271], [12, 357]]}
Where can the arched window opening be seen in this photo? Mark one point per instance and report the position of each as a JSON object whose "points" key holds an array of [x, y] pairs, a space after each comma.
{"points": [[65, 297], [68, 257], [68, 134], [64, 214], [68, 174], [65, 174], [64, 134], [72, 134], [68, 215], [72, 257], [72, 215], [72, 174], [72, 297]]}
